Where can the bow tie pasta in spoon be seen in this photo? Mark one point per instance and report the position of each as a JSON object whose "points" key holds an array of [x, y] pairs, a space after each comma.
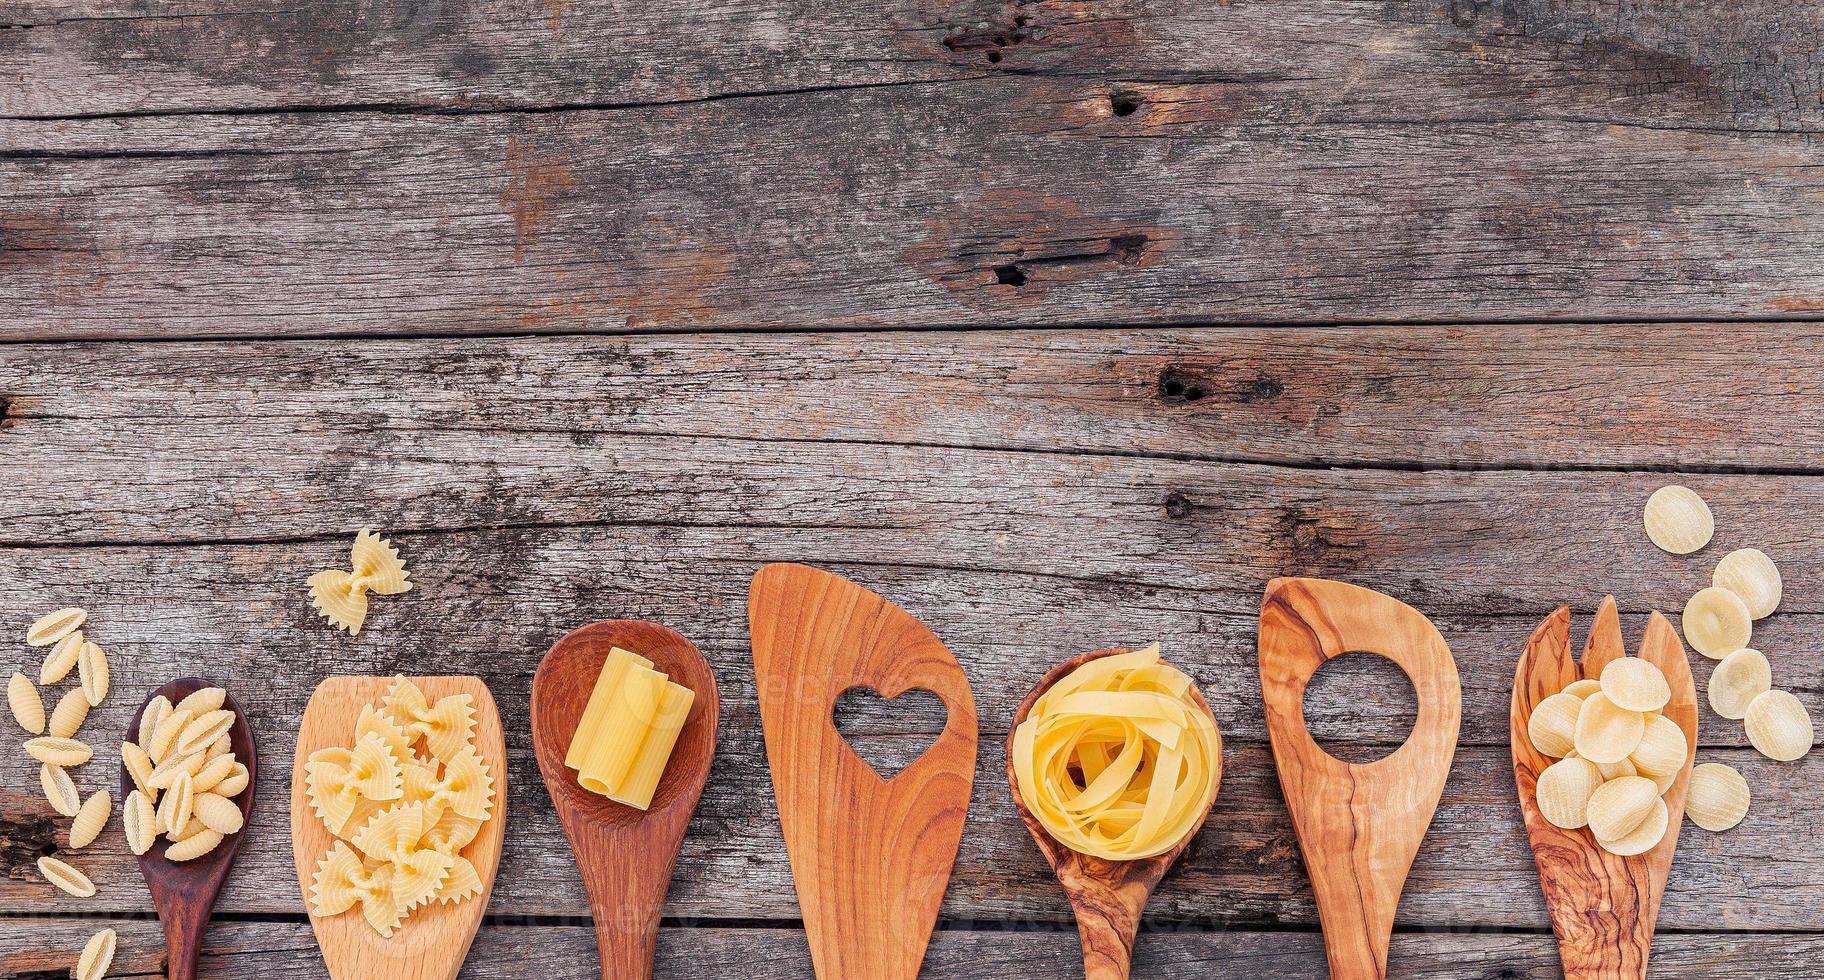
{"points": [[403, 802]]}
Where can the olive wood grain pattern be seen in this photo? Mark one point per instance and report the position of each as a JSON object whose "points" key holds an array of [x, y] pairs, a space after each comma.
{"points": [[184, 892], [1359, 824], [870, 857], [1108, 897], [433, 941], [1603, 906], [626, 855]]}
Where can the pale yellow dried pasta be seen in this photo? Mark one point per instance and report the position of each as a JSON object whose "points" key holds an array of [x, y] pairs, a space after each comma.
{"points": [[92, 669], [377, 722], [65, 752], [1552, 727], [1718, 797], [1607, 732], [68, 879], [446, 726], [221, 746], [174, 805], [1741, 677], [1616, 770], [1563, 792], [1635, 684], [374, 566], [343, 881], [232, 784], [203, 730], [1645, 836], [396, 837], [138, 765], [54, 626], [1662, 750], [164, 738], [462, 881], [218, 813], [156, 710], [452, 832], [1677, 520], [61, 660], [165, 774], [27, 707], [192, 847], [60, 789], [139, 822], [97, 956], [1716, 623], [213, 772], [1583, 687], [1778, 726], [71, 711], [465, 786], [1618, 806], [91, 819], [203, 700], [1753, 577], [337, 779]]}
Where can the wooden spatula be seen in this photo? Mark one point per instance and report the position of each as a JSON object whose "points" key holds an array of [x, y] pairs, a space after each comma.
{"points": [[1603, 907], [1108, 896], [184, 892], [434, 940], [626, 856], [870, 856], [1359, 825]]}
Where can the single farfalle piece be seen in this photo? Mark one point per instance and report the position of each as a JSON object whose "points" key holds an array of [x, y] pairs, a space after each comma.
{"points": [[337, 780], [446, 726], [466, 787], [374, 566], [343, 880], [462, 881], [395, 836]]}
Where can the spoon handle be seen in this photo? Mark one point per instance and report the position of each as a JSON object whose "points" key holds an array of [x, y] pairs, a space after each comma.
{"points": [[1106, 925], [626, 882], [184, 928]]}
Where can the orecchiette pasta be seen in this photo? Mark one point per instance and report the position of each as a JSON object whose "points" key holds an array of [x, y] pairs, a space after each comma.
{"points": [[1564, 790], [1753, 577], [1718, 797], [1645, 835], [1635, 684], [1778, 726], [1553, 724], [1716, 622], [1607, 732], [1678, 520]]}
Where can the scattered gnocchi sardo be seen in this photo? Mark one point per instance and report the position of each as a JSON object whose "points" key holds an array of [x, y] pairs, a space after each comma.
{"points": [[185, 776], [55, 745], [1617, 756]]}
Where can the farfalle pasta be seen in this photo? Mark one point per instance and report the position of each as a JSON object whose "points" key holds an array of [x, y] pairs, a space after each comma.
{"points": [[403, 801], [374, 566]]}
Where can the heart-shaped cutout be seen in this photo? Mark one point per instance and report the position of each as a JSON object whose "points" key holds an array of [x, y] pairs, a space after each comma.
{"points": [[889, 733]]}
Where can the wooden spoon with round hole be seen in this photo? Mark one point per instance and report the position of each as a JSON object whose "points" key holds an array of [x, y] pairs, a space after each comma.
{"points": [[184, 892], [626, 856], [1108, 896]]}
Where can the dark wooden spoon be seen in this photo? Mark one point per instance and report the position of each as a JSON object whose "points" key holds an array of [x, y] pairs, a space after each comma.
{"points": [[1108, 896], [184, 892], [626, 856]]}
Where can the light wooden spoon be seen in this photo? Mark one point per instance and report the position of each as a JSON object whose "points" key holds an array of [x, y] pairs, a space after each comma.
{"points": [[1603, 907], [434, 940], [626, 856], [185, 891], [1108, 896]]}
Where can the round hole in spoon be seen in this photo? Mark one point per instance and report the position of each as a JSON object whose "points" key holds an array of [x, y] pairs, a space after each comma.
{"points": [[1360, 707]]}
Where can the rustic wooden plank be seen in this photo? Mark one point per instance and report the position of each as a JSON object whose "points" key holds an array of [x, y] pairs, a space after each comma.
{"points": [[1676, 396], [44, 949], [1004, 200], [491, 602], [1747, 65]]}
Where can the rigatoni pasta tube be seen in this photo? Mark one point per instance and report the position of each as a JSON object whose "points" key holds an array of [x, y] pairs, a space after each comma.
{"points": [[643, 779], [601, 698], [1118, 759], [629, 719]]}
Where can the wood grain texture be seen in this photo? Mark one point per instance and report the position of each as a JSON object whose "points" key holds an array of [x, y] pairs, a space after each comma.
{"points": [[1020, 210], [626, 855], [1603, 907], [1107, 897], [871, 857], [1359, 824], [435, 938], [185, 892]]}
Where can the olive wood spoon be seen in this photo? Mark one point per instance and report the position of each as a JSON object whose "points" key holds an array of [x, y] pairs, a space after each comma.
{"points": [[1603, 906], [1107, 896], [184, 892], [626, 856]]}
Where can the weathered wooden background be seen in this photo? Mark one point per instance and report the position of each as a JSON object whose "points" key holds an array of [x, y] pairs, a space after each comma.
{"points": [[1064, 324]]}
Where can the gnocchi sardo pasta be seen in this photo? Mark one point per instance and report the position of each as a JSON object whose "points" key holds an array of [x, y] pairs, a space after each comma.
{"points": [[27, 707], [91, 819], [402, 802], [61, 660], [97, 956], [186, 777], [65, 752], [54, 626], [67, 878]]}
